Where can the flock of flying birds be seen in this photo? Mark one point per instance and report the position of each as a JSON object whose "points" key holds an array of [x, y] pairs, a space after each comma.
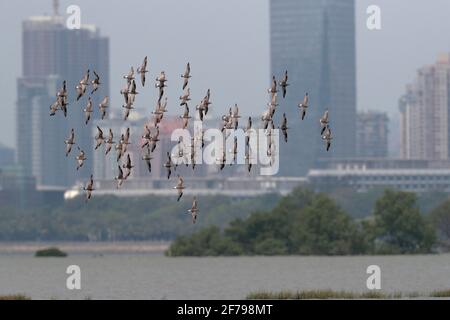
{"points": [[150, 140]]}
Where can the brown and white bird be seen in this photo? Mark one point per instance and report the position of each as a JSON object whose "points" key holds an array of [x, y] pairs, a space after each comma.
{"points": [[154, 140], [207, 101], [125, 91], [179, 187], [130, 76], [168, 165], [273, 88], [128, 165], [222, 161], [304, 105], [161, 84], [235, 116], [95, 83], [147, 136], [284, 83], [248, 161], [186, 75], [185, 97], [327, 137], [88, 110], [284, 128], [127, 109], [125, 140], [53, 108], [142, 70], [194, 210], [185, 117], [324, 122], [148, 158], [81, 157], [61, 101], [70, 141], [109, 142], [193, 154], [132, 92], [103, 106], [119, 178], [89, 188], [119, 150], [82, 85], [99, 139]]}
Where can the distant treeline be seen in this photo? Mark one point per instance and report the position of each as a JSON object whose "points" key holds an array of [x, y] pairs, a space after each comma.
{"points": [[308, 223], [108, 218]]}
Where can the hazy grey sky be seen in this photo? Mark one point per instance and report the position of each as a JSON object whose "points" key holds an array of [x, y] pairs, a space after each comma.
{"points": [[227, 43]]}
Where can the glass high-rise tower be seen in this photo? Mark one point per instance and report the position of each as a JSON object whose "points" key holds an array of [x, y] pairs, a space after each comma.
{"points": [[315, 41], [52, 53]]}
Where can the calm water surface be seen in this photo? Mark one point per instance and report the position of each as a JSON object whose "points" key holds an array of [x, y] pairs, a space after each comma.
{"points": [[153, 276]]}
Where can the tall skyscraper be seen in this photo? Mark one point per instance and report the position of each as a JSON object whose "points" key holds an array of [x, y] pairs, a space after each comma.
{"points": [[372, 134], [315, 41], [424, 110], [6, 156], [52, 53]]}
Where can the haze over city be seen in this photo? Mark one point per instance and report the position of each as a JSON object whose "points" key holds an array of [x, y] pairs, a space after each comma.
{"points": [[257, 149], [228, 43]]}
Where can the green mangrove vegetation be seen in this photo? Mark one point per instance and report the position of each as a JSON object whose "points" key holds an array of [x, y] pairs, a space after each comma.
{"points": [[308, 223], [331, 294]]}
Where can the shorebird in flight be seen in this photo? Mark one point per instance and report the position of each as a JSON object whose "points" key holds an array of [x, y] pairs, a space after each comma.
{"points": [[147, 158], [161, 84], [304, 105], [185, 117], [81, 157], [109, 142], [103, 106], [179, 187], [70, 142], [234, 150], [125, 91], [235, 116], [327, 137], [194, 210], [119, 178], [99, 139], [273, 88], [168, 165], [119, 149], [128, 166], [53, 108], [130, 76], [89, 188], [88, 110], [82, 85], [284, 128], [95, 83], [324, 122], [186, 75], [283, 83], [185, 97], [142, 70]]}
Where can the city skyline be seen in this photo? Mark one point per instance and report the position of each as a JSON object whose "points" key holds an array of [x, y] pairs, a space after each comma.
{"points": [[53, 54], [321, 35], [372, 63]]}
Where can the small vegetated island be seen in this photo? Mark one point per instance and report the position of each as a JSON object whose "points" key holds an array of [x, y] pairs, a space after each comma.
{"points": [[50, 252], [308, 223]]}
